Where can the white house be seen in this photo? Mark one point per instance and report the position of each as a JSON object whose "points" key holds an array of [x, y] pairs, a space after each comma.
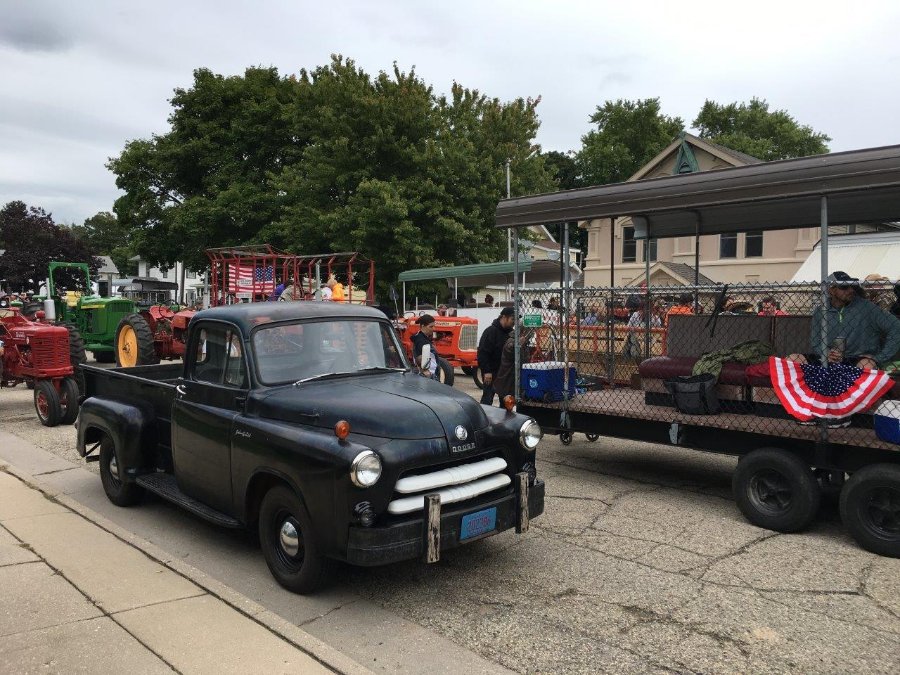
{"points": [[194, 283]]}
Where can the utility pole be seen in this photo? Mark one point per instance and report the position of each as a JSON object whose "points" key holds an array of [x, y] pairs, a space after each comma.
{"points": [[509, 246]]}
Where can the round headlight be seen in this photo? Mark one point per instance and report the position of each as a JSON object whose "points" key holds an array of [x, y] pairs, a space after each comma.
{"points": [[365, 469], [530, 434]]}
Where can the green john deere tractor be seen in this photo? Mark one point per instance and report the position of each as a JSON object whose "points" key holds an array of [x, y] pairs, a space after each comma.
{"points": [[95, 317]]}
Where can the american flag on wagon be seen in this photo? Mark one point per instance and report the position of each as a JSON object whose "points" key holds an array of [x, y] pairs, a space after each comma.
{"points": [[250, 278], [834, 391]]}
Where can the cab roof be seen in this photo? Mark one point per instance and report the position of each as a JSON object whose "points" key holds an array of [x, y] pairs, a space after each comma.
{"points": [[249, 315]]}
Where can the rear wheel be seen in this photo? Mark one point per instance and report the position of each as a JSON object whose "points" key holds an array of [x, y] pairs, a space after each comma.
{"points": [[77, 354], [134, 343], [445, 372], [117, 491], [68, 400], [288, 543], [776, 490], [46, 403], [870, 508]]}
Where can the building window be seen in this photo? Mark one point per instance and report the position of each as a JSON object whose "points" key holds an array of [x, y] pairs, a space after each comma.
{"points": [[753, 245], [629, 245], [728, 246], [651, 245], [164, 272], [190, 275]]}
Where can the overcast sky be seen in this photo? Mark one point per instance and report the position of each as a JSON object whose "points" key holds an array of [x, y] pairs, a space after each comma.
{"points": [[79, 79]]}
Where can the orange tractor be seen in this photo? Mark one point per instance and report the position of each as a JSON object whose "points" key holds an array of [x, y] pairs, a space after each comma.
{"points": [[44, 356], [455, 340]]}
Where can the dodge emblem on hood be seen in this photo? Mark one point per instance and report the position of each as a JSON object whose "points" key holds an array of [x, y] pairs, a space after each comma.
{"points": [[461, 432]]}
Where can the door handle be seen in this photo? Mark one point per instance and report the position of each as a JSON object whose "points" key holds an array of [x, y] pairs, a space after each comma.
{"points": [[181, 389]]}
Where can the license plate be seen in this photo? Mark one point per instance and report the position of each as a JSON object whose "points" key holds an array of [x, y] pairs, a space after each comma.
{"points": [[478, 523]]}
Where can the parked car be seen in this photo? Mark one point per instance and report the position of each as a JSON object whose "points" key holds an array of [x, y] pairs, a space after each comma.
{"points": [[304, 421]]}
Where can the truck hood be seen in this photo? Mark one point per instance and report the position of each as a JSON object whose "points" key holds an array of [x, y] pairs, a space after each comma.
{"points": [[394, 405]]}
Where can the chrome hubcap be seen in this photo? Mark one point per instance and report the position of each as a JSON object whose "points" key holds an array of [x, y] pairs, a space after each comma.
{"points": [[289, 537]]}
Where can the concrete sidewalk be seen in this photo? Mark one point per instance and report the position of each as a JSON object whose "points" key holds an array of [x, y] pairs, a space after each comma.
{"points": [[80, 595]]}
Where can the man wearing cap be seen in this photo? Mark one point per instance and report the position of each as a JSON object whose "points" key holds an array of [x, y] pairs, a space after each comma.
{"points": [[858, 332], [490, 351], [422, 338]]}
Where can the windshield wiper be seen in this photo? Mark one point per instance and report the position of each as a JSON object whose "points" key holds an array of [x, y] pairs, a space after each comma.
{"points": [[320, 376], [381, 369]]}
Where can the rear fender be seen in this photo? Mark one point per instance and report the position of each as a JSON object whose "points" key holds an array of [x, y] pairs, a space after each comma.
{"points": [[131, 428]]}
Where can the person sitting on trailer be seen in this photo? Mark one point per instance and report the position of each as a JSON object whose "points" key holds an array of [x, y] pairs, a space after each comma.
{"points": [[768, 307], [858, 332], [685, 305], [326, 293], [337, 289]]}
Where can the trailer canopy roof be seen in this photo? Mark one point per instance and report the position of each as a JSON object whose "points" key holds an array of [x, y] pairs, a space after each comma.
{"points": [[861, 186], [487, 274]]}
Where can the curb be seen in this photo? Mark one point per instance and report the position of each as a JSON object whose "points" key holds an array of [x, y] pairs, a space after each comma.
{"points": [[323, 653]]}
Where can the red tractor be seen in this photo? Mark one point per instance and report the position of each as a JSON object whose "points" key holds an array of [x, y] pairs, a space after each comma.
{"points": [[46, 357]]}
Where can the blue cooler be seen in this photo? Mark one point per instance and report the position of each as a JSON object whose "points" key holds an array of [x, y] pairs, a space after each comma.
{"points": [[544, 381], [887, 421]]}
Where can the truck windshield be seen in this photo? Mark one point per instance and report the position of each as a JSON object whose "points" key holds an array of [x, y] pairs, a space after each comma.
{"points": [[292, 352]]}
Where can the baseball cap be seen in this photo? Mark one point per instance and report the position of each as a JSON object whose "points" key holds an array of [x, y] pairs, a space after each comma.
{"points": [[842, 279], [507, 311]]}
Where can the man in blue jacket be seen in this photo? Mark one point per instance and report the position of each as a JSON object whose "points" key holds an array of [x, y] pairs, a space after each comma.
{"points": [[859, 333]]}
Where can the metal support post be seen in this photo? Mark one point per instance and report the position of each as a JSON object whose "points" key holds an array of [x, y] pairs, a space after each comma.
{"points": [[432, 531], [564, 313], [517, 360]]}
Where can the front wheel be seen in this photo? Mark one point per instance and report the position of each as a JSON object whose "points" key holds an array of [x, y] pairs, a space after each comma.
{"points": [[870, 508], [776, 490], [288, 543], [117, 491], [46, 403], [69, 394]]}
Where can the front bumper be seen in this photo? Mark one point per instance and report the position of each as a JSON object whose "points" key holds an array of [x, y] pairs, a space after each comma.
{"points": [[369, 546]]}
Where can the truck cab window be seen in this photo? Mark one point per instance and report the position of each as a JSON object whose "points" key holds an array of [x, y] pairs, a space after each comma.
{"points": [[219, 357]]}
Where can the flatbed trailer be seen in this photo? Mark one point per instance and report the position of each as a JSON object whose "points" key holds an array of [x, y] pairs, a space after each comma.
{"points": [[620, 389]]}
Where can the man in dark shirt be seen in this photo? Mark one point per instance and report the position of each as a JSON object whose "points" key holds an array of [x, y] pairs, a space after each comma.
{"points": [[490, 351]]}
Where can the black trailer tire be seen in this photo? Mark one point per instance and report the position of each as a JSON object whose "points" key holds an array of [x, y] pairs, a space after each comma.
{"points": [[478, 378], [566, 437], [592, 437], [46, 403], [288, 542], [870, 508], [445, 372], [69, 395], [134, 343], [104, 357], [77, 354], [117, 491], [776, 490]]}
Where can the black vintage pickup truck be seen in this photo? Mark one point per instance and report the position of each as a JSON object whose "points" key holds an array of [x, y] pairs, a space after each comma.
{"points": [[304, 420]]}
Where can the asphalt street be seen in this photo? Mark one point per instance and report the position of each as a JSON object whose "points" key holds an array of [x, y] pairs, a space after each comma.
{"points": [[640, 563]]}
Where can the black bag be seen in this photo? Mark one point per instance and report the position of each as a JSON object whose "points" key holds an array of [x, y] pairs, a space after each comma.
{"points": [[694, 394]]}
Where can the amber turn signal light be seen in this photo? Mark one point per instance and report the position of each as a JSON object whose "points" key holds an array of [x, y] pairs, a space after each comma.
{"points": [[509, 402], [342, 429]]}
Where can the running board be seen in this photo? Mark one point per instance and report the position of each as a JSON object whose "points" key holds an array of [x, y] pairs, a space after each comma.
{"points": [[165, 485]]}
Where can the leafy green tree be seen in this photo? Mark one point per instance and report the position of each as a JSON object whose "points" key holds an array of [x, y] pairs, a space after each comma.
{"points": [[628, 135], [104, 234], [754, 129], [31, 241], [565, 169]]}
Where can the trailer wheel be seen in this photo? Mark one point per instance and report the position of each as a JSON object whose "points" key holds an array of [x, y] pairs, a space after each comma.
{"points": [[68, 400], [592, 437], [117, 491], [288, 542], [478, 378], [46, 403], [134, 342], [775, 490], [445, 372], [870, 508], [565, 437]]}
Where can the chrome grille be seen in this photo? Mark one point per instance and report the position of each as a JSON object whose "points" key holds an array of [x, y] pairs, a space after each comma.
{"points": [[454, 484]]}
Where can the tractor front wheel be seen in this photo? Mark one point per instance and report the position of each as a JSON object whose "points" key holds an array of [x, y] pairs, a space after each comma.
{"points": [[46, 403], [134, 343], [69, 393]]}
